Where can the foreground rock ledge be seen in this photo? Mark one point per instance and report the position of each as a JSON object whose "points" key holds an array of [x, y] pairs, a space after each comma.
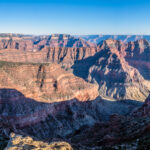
{"points": [[18, 142]]}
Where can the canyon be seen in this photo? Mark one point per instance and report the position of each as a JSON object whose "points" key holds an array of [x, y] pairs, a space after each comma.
{"points": [[127, 64], [74, 92]]}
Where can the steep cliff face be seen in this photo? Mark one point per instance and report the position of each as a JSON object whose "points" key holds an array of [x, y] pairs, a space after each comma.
{"points": [[24, 45], [34, 44], [50, 86], [66, 56], [115, 77], [45, 82], [62, 40], [138, 49], [138, 54]]}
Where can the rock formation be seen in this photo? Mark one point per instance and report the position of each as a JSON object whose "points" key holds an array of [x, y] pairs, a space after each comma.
{"points": [[45, 82], [124, 38], [115, 77], [23, 143], [138, 54], [33, 43]]}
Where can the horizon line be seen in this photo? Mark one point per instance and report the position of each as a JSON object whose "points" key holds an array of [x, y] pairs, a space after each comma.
{"points": [[74, 34]]}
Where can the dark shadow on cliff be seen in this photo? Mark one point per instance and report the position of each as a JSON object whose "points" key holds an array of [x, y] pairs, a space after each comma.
{"points": [[81, 67], [100, 61], [56, 121]]}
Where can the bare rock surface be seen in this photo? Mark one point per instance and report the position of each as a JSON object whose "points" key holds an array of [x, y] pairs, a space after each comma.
{"points": [[37, 43], [18, 142], [45, 82], [110, 70]]}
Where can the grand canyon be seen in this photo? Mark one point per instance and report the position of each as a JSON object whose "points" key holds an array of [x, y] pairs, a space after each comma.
{"points": [[74, 92]]}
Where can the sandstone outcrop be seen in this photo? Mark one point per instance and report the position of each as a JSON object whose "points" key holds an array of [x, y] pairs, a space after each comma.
{"points": [[45, 82], [65, 56], [37, 43], [115, 77], [138, 54], [18, 142]]}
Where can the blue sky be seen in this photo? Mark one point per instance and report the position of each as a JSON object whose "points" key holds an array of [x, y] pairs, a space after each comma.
{"points": [[75, 16]]}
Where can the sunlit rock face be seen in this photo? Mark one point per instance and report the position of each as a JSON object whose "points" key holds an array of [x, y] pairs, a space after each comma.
{"points": [[37, 43], [45, 82], [34, 93], [138, 54], [64, 55], [112, 72], [21, 143], [62, 40], [116, 76]]}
